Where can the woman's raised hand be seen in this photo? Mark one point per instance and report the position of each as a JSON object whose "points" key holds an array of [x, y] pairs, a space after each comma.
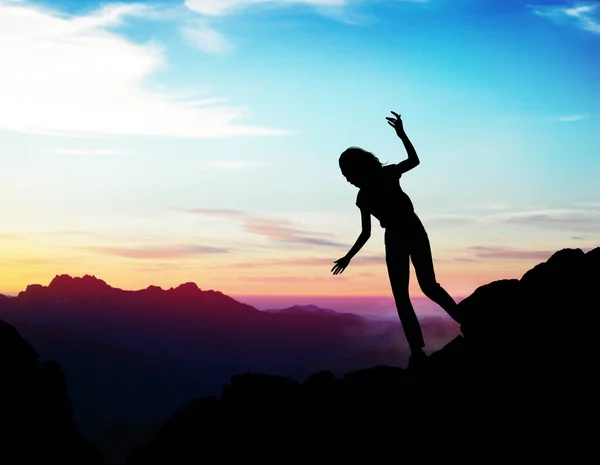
{"points": [[396, 123]]}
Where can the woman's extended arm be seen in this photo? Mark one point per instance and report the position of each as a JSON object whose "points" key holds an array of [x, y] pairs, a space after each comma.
{"points": [[342, 263], [413, 158], [360, 242], [364, 235]]}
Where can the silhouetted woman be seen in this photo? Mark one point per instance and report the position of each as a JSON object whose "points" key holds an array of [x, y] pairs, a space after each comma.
{"points": [[380, 195]]}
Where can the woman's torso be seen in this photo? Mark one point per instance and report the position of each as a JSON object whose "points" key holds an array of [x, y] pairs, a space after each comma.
{"points": [[385, 200]]}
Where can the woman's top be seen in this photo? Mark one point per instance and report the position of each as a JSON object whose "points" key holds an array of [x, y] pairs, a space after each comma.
{"points": [[385, 200]]}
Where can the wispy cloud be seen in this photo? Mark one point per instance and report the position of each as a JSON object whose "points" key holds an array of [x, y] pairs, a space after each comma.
{"points": [[212, 41], [77, 75], [214, 212], [505, 253], [86, 152], [224, 7], [40, 261], [477, 253], [206, 38], [584, 15], [571, 118], [287, 279], [278, 230], [569, 219], [158, 252], [455, 219], [68, 232], [359, 260], [281, 263], [162, 268], [284, 231], [573, 219]]}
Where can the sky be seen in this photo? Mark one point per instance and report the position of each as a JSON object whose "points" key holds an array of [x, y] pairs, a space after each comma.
{"points": [[168, 142]]}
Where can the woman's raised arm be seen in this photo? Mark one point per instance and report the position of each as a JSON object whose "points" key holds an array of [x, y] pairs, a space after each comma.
{"points": [[413, 158]]}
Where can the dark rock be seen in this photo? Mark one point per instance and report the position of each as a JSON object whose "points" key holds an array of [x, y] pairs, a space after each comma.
{"points": [[520, 372], [37, 420]]}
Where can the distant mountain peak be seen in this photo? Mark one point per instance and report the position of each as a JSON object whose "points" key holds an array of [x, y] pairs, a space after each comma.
{"points": [[64, 281], [307, 308], [65, 289], [60, 281], [188, 287], [314, 310], [154, 288]]}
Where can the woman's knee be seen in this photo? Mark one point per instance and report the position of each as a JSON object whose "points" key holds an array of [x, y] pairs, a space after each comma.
{"points": [[430, 288]]}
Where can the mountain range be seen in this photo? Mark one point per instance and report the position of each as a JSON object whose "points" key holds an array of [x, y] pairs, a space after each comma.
{"points": [[519, 382], [132, 357]]}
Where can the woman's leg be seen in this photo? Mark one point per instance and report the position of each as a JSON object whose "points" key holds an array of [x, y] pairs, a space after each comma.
{"points": [[398, 265], [420, 254]]}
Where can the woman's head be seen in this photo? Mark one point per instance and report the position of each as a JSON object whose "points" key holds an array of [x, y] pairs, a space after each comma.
{"points": [[358, 165]]}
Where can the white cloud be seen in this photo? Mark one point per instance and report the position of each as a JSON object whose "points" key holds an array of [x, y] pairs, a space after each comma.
{"points": [[571, 118], [583, 15], [580, 220], [65, 75], [86, 152], [211, 41], [206, 38], [223, 7]]}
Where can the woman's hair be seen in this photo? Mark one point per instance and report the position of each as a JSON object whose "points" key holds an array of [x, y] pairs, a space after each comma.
{"points": [[357, 159]]}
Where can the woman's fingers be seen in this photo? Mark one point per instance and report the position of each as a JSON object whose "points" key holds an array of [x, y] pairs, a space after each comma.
{"points": [[395, 114], [338, 269]]}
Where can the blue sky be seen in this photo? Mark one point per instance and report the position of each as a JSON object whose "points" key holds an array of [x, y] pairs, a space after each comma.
{"points": [[198, 141]]}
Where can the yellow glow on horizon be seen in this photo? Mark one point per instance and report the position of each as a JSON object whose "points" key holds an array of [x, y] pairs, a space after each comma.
{"points": [[39, 264], [37, 259]]}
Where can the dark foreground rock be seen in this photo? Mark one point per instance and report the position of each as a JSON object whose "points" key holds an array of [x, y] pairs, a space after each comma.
{"points": [[36, 419], [520, 384]]}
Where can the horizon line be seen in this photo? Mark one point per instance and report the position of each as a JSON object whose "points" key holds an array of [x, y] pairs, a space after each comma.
{"points": [[236, 295]]}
